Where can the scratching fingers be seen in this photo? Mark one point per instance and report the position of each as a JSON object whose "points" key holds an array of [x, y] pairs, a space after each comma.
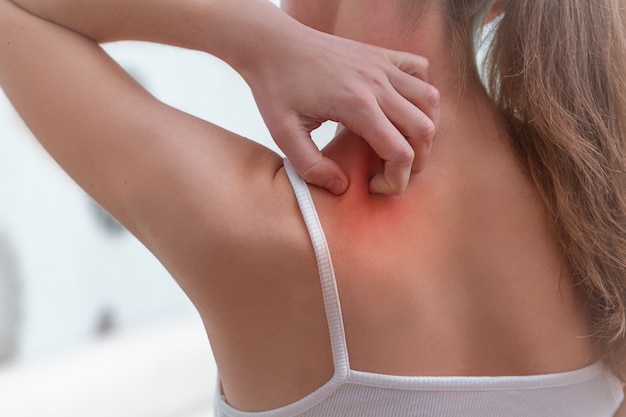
{"points": [[309, 162]]}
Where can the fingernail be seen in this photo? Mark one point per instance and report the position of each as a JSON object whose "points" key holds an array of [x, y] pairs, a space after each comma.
{"points": [[337, 186]]}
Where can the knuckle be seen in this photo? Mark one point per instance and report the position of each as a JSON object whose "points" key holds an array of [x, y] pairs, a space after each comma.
{"points": [[429, 130], [364, 113], [432, 95], [360, 102], [425, 129], [404, 156]]}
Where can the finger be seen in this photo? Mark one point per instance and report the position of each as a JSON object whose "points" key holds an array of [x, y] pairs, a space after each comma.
{"points": [[418, 128], [421, 94], [312, 166], [413, 65], [389, 144], [392, 181]]}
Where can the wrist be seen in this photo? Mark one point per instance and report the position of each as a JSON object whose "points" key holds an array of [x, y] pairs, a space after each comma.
{"points": [[253, 40]]}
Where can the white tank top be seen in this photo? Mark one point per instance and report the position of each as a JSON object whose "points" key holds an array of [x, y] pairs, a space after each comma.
{"points": [[587, 392]]}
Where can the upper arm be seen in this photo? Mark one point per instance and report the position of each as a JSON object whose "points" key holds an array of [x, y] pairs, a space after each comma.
{"points": [[182, 185]]}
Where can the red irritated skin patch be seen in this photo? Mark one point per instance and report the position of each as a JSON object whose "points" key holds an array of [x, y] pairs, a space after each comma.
{"points": [[379, 225]]}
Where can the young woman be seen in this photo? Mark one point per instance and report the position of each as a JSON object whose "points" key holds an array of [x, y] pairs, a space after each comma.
{"points": [[493, 284]]}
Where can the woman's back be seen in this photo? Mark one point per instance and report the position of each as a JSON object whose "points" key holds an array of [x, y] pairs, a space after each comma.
{"points": [[465, 273], [463, 265], [458, 276], [582, 392]]}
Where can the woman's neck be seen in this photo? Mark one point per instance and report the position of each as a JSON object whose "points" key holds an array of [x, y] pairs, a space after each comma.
{"points": [[384, 23], [466, 112]]}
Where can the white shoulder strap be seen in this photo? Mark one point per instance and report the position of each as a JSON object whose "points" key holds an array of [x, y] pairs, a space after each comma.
{"points": [[325, 267]]}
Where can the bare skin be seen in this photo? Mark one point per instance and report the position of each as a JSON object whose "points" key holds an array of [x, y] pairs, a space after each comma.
{"points": [[622, 410], [459, 275], [372, 100], [462, 265]]}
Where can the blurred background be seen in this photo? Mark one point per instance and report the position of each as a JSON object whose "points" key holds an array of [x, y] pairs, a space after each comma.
{"points": [[90, 323]]}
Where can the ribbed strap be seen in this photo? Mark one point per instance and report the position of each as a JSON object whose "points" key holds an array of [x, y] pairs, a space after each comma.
{"points": [[330, 293]]}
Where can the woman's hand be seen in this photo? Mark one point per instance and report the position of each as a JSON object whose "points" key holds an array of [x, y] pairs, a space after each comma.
{"points": [[300, 77], [308, 77]]}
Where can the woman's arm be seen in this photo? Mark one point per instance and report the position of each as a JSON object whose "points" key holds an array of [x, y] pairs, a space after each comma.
{"points": [[216, 209], [300, 77], [232, 30], [195, 194], [170, 178]]}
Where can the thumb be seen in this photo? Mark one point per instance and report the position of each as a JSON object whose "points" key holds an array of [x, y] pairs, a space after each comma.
{"points": [[309, 161], [322, 172]]}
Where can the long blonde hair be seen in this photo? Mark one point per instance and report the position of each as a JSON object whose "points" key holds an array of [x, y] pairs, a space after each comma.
{"points": [[556, 69]]}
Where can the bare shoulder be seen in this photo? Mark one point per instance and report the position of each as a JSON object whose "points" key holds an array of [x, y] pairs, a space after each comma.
{"points": [[256, 286], [221, 228]]}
